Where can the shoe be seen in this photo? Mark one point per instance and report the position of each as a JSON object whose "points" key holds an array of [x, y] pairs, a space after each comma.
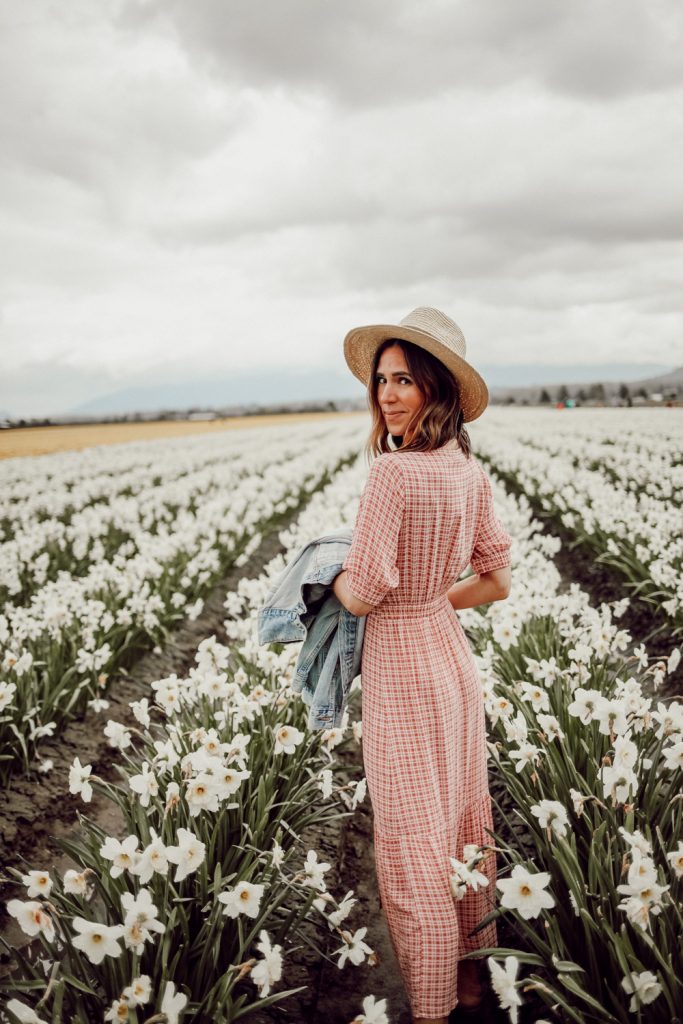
{"points": [[481, 1012], [461, 1013]]}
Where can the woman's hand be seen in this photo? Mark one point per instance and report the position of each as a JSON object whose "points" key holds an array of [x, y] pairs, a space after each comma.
{"points": [[481, 589], [351, 603]]}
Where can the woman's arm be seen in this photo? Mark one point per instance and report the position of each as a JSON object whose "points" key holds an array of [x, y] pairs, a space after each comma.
{"points": [[351, 603], [480, 589]]}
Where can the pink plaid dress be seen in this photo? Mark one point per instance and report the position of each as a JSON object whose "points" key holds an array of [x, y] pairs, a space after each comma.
{"points": [[423, 517]]}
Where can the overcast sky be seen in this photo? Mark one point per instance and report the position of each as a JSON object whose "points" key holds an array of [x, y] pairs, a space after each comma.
{"points": [[196, 186]]}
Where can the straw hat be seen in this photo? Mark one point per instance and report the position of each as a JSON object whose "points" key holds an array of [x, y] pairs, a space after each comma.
{"points": [[432, 330]]}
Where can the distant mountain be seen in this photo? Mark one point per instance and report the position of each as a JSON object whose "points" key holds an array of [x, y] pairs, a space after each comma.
{"points": [[218, 392], [318, 385], [672, 378], [610, 382]]}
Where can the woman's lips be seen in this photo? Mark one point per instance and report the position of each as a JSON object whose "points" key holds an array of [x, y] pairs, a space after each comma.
{"points": [[391, 415]]}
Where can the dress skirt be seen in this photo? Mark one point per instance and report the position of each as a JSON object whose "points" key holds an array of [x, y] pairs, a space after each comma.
{"points": [[424, 753]]}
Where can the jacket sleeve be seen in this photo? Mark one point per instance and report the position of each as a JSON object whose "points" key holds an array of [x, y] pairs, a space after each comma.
{"points": [[371, 560], [492, 542]]}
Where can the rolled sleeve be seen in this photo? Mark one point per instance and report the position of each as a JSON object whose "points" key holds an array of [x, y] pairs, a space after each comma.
{"points": [[371, 560], [492, 542]]}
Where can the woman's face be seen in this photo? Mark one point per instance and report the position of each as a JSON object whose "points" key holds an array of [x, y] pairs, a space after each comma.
{"points": [[398, 395]]}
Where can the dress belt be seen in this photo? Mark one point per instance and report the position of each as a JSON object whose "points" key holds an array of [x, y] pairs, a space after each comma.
{"points": [[412, 609]]}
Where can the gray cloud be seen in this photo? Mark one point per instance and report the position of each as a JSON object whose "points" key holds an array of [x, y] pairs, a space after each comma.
{"points": [[234, 185], [381, 51]]}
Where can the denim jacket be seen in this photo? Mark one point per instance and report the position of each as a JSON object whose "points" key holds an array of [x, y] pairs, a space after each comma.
{"points": [[302, 606]]}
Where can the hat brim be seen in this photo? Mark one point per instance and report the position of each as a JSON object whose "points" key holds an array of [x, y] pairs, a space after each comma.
{"points": [[361, 343]]}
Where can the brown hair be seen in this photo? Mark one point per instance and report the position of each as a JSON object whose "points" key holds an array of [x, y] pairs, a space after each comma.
{"points": [[439, 420]]}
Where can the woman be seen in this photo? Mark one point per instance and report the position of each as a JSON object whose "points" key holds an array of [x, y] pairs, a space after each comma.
{"points": [[425, 514]]}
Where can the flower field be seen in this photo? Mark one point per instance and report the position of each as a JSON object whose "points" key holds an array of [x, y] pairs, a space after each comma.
{"points": [[194, 909]]}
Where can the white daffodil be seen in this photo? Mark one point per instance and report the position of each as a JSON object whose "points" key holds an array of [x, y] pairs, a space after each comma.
{"points": [[166, 756], [343, 910], [642, 870], [173, 1003], [228, 780], [139, 991], [332, 737], [140, 919], [643, 987], [32, 918], [516, 728], [578, 800], [123, 855], [201, 794], [524, 755], [535, 695], [673, 660], [117, 735], [669, 718], [146, 784], [118, 1010], [501, 707], [636, 840], [617, 782], [188, 854], [38, 883], [625, 752], [584, 704], [237, 750], [97, 940], [277, 854], [465, 874], [152, 859], [24, 1013], [643, 898], [551, 814], [140, 709], [524, 891], [79, 780], [503, 983], [640, 654], [610, 716], [98, 704], [359, 793], [245, 898], [374, 1012], [79, 883], [266, 972], [287, 739], [675, 859], [673, 756], [172, 796], [7, 691], [354, 949], [325, 782], [314, 871]]}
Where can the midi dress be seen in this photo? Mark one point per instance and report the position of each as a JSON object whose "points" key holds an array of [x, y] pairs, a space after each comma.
{"points": [[422, 518]]}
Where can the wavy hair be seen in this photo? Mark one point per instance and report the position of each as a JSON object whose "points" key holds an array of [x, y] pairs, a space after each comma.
{"points": [[439, 420]]}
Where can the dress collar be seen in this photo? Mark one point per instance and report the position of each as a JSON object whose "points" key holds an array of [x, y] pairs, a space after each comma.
{"points": [[453, 443]]}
